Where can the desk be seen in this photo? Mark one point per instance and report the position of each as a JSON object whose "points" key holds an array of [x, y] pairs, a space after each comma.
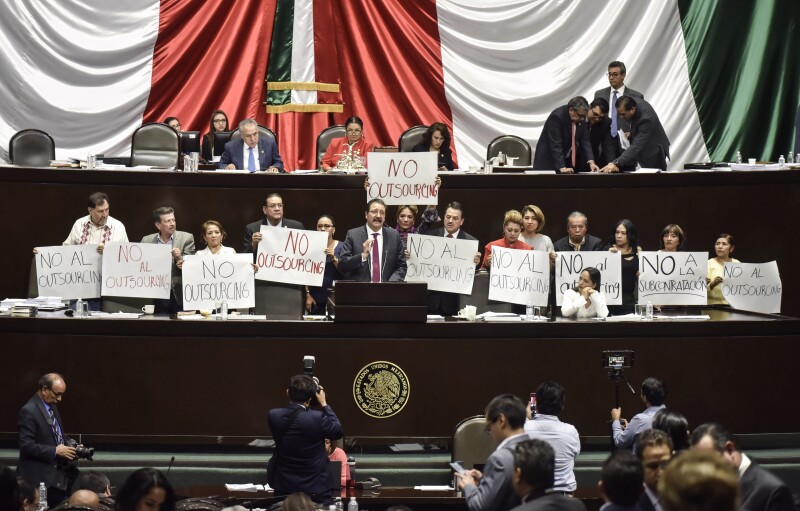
{"points": [[161, 380], [750, 205]]}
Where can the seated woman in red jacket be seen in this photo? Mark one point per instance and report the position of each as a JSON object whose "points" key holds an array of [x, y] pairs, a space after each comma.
{"points": [[512, 227], [353, 143]]}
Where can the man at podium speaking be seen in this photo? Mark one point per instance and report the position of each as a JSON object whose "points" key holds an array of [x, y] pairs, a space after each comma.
{"points": [[373, 253]]}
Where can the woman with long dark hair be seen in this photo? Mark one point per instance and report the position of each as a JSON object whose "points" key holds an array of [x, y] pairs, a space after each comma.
{"points": [[218, 122], [625, 242], [437, 139]]}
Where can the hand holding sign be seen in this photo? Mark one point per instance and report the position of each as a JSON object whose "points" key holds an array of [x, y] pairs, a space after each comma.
{"points": [[403, 178]]}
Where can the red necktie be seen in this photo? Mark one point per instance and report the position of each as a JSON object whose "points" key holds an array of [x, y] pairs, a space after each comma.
{"points": [[376, 260], [449, 235], [573, 145]]}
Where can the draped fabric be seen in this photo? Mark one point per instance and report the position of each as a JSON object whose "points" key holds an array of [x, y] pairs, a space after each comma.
{"points": [[75, 70], [743, 63], [508, 64]]}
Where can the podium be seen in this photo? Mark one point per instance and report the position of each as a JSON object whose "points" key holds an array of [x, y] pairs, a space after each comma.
{"points": [[367, 302]]}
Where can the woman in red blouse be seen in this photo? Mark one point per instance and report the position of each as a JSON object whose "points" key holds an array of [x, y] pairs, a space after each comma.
{"points": [[512, 227], [353, 142]]}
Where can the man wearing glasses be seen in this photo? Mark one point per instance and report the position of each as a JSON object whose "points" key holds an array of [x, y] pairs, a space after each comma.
{"points": [[617, 89], [273, 216], [43, 455], [373, 253], [251, 153]]}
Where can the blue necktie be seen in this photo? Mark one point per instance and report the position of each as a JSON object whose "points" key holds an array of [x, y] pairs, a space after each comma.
{"points": [[56, 429], [251, 161], [613, 109]]}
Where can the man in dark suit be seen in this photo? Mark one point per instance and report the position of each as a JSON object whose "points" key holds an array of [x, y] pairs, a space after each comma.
{"points": [[300, 462], [617, 88], [621, 482], [251, 153], [534, 476], [373, 253], [564, 136], [43, 455], [599, 136], [446, 304], [649, 143], [577, 239], [761, 490], [182, 243], [273, 209], [654, 449]]}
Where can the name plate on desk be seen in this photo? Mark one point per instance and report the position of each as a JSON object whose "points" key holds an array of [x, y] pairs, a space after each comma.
{"points": [[367, 302]]}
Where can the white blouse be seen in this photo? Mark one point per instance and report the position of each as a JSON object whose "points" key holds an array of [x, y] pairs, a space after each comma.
{"points": [[574, 304]]}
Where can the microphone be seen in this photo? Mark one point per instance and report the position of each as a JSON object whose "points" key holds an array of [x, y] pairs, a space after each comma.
{"points": [[171, 462]]}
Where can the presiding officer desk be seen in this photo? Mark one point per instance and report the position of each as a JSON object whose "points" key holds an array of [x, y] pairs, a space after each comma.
{"points": [[168, 379]]}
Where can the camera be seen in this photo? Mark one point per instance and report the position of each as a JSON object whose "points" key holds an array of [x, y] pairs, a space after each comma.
{"points": [[82, 452], [308, 369], [618, 359]]}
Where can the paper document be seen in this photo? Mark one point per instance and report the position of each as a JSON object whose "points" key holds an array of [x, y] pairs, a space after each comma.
{"points": [[247, 487], [433, 488], [624, 143]]}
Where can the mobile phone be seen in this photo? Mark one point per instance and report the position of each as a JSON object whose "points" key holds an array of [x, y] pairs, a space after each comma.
{"points": [[533, 403], [458, 468]]}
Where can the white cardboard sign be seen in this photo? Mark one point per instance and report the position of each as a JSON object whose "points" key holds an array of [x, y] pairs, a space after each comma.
{"points": [[753, 287], [569, 266], [69, 271], [139, 270], [446, 264], [291, 256], [211, 279], [673, 278], [403, 178], [519, 276]]}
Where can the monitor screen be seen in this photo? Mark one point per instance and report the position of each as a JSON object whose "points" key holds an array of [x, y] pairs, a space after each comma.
{"points": [[220, 139], [190, 142]]}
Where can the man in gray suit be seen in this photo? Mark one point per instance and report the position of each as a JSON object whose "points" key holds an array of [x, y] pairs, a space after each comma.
{"points": [[181, 243], [373, 253], [493, 489], [649, 143], [273, 216], [617, 89]]}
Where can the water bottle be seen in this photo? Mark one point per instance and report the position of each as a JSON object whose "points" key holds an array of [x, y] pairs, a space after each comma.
{"points": [[223, 312], [649, 311], [738, 157], [529, 311], [338, 503], [781, 162], [331, 508], [351, 469], [79, 308], [42, 498], [790, 157], [352, 505]]}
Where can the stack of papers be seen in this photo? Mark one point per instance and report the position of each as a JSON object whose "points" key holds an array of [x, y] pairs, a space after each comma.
{"points": [[434, 488], [247, 487]]}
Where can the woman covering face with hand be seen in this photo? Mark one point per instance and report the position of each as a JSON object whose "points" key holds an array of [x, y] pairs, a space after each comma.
{"points": [[585, 300]]}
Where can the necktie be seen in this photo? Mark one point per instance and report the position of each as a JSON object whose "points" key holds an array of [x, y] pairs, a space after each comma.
{"points": [[449, 235], [251, 161], [573, 145], [376, 260], [613, 109], [56, 430]]}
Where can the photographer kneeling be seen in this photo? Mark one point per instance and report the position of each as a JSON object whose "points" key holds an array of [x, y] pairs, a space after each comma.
{"points": [[300, 462]]}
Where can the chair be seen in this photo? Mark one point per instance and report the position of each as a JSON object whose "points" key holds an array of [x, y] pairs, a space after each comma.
{"points": [[471, 444], [199, 504], [33, 284], [263, 131], [480, 297], [511, 145], [31, 148], [325, 137], [279, 301], [156, 145], [124, 303], [411, 137]]}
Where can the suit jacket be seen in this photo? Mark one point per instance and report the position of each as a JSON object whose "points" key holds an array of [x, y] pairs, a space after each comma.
{"points": [[255, 227], [439, 302], [444, 156], [763, 491], [554, 148], [302, 461], [393, 260], [645, 504], [606, 94], [603, 145], [267, 155], [37, 446], [592, 244], [180, 240], [649, 142], [495, 491], [552, 502]]}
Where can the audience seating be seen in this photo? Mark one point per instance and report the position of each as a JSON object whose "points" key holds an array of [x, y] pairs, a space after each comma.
{"points": [[156, 145], [263, 131], [511, 145], [471, 444], [325, 137], [411, 137], [31, 148]]}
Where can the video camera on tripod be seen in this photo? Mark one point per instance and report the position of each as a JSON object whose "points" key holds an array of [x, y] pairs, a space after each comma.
{"points": [[616, 361]]}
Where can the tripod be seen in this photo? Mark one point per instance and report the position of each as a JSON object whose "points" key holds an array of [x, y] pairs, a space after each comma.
{"points": [[616, 375]]}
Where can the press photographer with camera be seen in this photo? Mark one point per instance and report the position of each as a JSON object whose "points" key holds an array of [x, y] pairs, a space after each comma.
{"points": [[300, 462], [45, 451]]}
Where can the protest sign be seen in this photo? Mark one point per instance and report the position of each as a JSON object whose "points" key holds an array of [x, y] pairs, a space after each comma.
{"points": [[211, 279], [673, 278], [753, 287], [446, 264], [569, 266], [519, 276], [403, 178], [291, 256], [139, 270], [69, 271]]}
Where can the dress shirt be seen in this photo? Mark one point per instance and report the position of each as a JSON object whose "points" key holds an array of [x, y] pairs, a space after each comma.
{"points": [[95, 233], [577, 246], [620, 92], [379, 239], [655, 500], [744, 465], [171, 241], [223, 250], [564, 440], [246, 157], [574, 304], [640, 422], [448, 235]]}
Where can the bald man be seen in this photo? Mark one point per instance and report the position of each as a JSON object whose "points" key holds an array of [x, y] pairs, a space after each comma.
{"points": [[86, 498]]}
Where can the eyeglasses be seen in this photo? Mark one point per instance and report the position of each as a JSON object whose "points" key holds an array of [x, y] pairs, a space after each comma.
{"points": [[613, 75], [275, 206], [220, 120], [57, 394], [376, 212], [354, 131], [324, 226]]}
